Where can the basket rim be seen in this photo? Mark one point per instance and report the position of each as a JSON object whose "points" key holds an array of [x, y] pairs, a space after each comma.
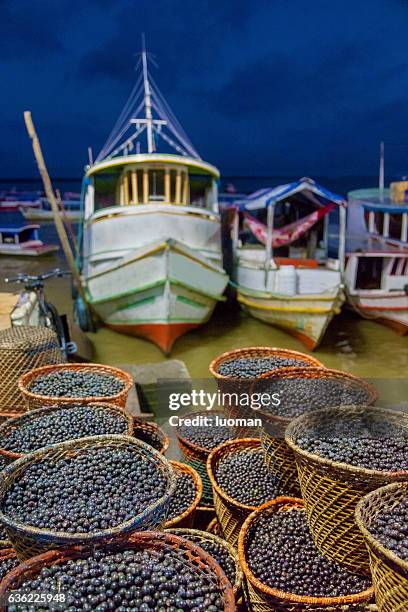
{"points": [[7, 553], [138, 423], [198, 485], [206, 535], [271, 350], [249, 443], [195, 447], [372, 541], [103, 533], [31, 374], [138, 539], [32, 414], [338, 465], [291, 372], [271, 506]]}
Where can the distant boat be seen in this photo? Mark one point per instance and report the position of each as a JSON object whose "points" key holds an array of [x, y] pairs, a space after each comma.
{"points": [[376, 272], [282, 270], [12, 201], [71, 211], [23, 241], [151, 253]]}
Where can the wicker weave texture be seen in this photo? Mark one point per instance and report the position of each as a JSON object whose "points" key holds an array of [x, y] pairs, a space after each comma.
{"points": [[262, 598], [281, 462], [390, 573], [279, 458], [184, 551], [22, 349], [230, 513], [331, 490], [34, 400], [30, 541]]}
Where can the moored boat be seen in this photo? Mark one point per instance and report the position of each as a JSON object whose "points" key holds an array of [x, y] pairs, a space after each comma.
{"points": [[23, 241], [71, 210], [12, 201], [376, 272], [151, 248], [289, 280]]}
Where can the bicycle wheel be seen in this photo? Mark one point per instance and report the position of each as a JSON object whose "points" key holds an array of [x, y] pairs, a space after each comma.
{"points": [[54, 321]]}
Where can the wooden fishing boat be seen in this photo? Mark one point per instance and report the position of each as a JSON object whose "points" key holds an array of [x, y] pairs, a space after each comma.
{"points": [[23, 241], [13, 201], [71, 211], [290, 281], [151, 247], [376, 272]]}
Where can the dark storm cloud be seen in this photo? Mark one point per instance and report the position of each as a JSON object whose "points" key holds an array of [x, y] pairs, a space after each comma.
{"points": [[264, 86]]}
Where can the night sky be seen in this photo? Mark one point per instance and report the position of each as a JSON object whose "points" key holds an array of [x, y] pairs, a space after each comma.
{"points": [[268, 87]]}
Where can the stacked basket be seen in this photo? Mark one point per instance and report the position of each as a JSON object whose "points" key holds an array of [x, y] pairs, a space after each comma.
{"points": [[279, 456], [229, 384], [21, 350], [331, 490]]}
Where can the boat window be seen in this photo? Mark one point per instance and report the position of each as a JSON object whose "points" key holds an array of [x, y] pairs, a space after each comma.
{"points": [[156, 185], [105, 190], [369, 273], [173, 175], [200, 190]]}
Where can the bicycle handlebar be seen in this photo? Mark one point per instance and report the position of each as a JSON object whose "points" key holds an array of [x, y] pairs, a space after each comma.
{"points": [[27, 278]]}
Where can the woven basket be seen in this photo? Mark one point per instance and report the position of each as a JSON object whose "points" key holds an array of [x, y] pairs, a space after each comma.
{"points": [[152, 434], [231, 514], [390, 573], [29, 541], [34, 400], [278, 456], [21, 350], [12, 424], [228, 383], [188, 553], [331, 490], [186, 519], [214, 527], [197, 456], [262, 598], [203, 536]]}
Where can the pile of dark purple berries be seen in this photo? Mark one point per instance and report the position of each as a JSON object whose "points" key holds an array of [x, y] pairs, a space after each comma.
{"points": [[7, 564], [360, 441], [218, 552], [244, 476], [74, 383], [129, 580], [300, 395], [207, 437], [63, 424], [282, 555], [183, 496], [96, 489], [253, 367], [391, 529]]}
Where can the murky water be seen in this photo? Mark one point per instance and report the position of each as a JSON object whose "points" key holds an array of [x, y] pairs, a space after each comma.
{"points": [[360, 346]]}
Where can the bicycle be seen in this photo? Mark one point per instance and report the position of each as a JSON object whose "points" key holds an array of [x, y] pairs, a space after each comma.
{"points": [[32, 309]]}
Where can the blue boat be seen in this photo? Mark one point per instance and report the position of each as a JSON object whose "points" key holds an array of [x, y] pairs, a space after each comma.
{"points": [[23, 241]]}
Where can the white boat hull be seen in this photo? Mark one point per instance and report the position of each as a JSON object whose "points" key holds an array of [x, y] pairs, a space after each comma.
{"points": [[390, 309], [158, 291], [306, 317]]}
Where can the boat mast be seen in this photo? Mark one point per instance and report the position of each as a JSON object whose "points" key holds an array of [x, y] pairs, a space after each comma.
{"points": [[381, 172], [151, 147]]}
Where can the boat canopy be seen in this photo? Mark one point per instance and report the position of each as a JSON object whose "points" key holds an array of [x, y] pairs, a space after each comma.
{"points": [[396, 209], [307, 188]]}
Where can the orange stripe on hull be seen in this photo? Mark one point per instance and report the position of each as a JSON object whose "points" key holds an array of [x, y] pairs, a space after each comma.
{"points": [[309, 343], [162, 334], [400, 328]]}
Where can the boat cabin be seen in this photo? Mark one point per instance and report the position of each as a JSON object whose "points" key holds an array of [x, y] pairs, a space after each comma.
{"points": [[146, 179], [19, 235]]}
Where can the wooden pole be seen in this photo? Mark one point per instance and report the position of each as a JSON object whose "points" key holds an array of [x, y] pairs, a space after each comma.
{"points": [[62, 234]]}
